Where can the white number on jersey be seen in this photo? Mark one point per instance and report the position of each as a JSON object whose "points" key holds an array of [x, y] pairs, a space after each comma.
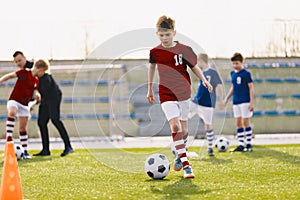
{"points": [[178, 59], [238, 80]]}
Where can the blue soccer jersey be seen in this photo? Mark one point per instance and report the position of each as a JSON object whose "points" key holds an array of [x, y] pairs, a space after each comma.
{"points": [[240, 80], [203, 96]]}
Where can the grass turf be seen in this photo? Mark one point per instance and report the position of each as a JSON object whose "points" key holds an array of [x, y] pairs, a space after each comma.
{"points": [[270, 172]]}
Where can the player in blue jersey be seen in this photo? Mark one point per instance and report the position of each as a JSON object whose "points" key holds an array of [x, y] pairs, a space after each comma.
{"points": [[204, 102], [242, 91]]}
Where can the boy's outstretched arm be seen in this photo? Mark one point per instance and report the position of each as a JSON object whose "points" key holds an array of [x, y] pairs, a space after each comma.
{"points": [[8, 76]]}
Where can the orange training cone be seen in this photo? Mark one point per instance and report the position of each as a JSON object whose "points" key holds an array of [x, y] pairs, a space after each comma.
{"points": [[11, 188]]}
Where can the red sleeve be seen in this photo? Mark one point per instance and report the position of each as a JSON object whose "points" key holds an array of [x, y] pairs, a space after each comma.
{"points": [[152, 57], [190, 58]]}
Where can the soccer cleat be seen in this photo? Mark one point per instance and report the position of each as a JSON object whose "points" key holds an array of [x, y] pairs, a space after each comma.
{"points": [[26, 155], [210, 152], [249, 148], [177, 164], [67, 151], [238, 149], [188, 172], [43, 153]]}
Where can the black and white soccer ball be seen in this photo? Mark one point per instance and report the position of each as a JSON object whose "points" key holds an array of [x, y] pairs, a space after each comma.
{"points": [[157, 166], [19, 150], [222, 144]]}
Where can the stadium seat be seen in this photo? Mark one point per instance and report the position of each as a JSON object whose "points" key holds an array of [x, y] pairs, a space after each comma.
{"points": [[102, 99], [266, 65], [291, 80], [3, 117], [70, 100], [223, 114], [273, 80], [105, 116], [103, 82], [91, 116], [257, 80], [227, 81], [252, 65], [283, 64], [66, 83], [296, 96], [10, 84], [3, 101], [268, 96], [87, 99], [132, 116], [83, 83], [34, 117], [73, 116], [290, 112], [271, 113], [257, 113]]}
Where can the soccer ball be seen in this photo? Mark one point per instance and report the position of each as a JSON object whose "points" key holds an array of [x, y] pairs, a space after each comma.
{"points": [[19, 150], [157, 166], [222, 144]]}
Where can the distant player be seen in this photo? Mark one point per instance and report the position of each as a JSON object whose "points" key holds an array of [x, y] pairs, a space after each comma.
{"points": [[205, 101], [242, 91], [21, 61], [49, 109], [172, 59], [17, 104]]}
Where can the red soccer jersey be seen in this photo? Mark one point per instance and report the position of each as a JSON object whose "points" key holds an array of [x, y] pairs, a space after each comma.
{"points": [[24, 86], [174, 80]]}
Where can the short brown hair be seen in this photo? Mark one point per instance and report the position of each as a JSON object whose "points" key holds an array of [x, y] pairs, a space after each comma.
{"points": [[237, 57], [41, 64], [165, 23], [18, 53], [203, 57]]}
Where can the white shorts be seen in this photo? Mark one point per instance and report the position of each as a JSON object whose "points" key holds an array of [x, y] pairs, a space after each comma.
{"points": [[205, 113], [174, 109], [242, 110], [23, 111]]}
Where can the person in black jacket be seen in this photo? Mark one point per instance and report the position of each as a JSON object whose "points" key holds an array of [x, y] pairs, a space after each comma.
{"points": [[49, 108]]}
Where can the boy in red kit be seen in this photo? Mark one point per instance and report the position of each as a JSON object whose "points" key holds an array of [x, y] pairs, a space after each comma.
{"points": [[172, 59], [17, 104]]}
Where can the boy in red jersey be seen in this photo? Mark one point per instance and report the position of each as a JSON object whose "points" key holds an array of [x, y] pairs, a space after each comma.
{"points": [[172, 59], [17, 104]]}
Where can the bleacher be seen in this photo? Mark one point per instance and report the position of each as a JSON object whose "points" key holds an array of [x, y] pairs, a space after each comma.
{"points": [[277, 102]]}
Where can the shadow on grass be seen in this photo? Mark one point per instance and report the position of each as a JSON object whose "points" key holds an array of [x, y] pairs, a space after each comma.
{"points": [[179, 190], [262, 151]]}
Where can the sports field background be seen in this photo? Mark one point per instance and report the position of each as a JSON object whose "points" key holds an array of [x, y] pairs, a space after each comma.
{"points": [[271, 98], [270, 172]]}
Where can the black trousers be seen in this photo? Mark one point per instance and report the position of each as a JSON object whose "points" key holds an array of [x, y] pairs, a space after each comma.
{"points": [[50, 109]]}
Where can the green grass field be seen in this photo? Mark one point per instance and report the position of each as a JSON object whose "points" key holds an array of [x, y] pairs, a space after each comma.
{"points": [[270, 172]]}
